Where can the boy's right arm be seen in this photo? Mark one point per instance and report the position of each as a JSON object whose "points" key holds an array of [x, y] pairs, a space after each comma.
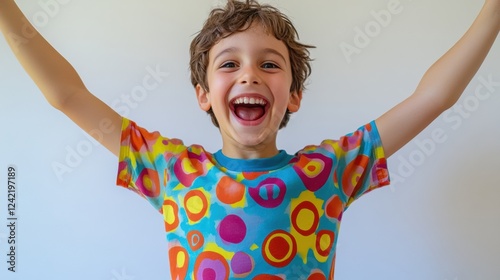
{"points": [[57, 79]]}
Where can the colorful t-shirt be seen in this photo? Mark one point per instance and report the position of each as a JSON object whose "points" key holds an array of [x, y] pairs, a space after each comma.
{"points": [[269, 218]]}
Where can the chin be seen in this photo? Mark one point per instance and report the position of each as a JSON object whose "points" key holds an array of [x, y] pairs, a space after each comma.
{"points": [[250, 141]]}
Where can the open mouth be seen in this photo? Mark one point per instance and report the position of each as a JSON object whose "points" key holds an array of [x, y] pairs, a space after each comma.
{"points": [[249, 109]]}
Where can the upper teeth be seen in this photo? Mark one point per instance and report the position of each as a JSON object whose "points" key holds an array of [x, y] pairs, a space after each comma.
{"points": [[250, 100]]}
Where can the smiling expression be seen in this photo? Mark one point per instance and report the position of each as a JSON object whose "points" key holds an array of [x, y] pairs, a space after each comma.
{"points": [[249, 79]]}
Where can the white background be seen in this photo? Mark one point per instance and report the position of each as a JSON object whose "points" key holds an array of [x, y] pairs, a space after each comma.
{"points": [[438, 220]]}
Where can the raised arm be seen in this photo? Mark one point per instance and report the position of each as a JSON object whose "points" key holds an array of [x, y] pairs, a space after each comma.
{"points": [[443, 83], [57, 79]]}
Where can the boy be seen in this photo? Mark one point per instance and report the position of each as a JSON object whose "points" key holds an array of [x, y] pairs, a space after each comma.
{"points": [[251, 210]]}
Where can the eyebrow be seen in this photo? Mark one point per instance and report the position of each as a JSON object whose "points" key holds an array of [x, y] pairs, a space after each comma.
{"points": [[234, 49]]}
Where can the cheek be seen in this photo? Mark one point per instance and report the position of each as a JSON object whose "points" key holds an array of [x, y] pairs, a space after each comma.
{"points": [[280, 103], [282, 83], [219, 84], [219, 87], [281, 91]]}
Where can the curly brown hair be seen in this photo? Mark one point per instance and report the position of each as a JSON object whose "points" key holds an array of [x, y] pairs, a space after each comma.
{"points": [[238, 16]]}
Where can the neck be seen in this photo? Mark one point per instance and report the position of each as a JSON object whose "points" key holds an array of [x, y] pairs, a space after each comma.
{"points": [[244, 152]]}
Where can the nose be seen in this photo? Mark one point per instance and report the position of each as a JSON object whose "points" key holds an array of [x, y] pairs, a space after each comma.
{"points": [[250, 75]]}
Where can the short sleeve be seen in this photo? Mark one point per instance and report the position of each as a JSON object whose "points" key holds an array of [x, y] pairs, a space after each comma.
{"points": [[143, 160], [361, 163]]}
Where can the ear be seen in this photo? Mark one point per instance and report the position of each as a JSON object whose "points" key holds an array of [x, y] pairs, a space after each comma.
{"points": [[294, 101], [203, 98]]}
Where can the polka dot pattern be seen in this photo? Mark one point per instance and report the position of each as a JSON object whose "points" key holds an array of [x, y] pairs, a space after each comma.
{"points": [[227, 223], [279, 248], [269, 193], [232, 229], [211, 266], [229, 191], [170, 215], [242, 264], [179, 262], [196, 205], [148, 182], [195, 240]]}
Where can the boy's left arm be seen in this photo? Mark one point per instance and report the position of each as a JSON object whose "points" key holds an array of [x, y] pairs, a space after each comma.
{"points": [[443, 83]]}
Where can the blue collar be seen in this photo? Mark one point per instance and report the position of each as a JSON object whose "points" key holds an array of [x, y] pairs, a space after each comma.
{"points": [[253, 165]]}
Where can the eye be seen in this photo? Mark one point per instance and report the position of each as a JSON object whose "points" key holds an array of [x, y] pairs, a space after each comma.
{"points": [[228, 64], [269, 65]]}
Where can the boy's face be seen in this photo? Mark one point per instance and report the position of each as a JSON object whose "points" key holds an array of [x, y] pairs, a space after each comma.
{"points": [[249, 78]]}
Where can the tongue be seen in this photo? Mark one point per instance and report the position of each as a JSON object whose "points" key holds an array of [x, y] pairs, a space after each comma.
{"points": [[249, 113]]}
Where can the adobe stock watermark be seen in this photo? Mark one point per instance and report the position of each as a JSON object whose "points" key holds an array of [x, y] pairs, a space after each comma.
{"points": [[75, 154], [121, 275], [364, 35], [49, 9], [453, 118], [3, 237]]}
